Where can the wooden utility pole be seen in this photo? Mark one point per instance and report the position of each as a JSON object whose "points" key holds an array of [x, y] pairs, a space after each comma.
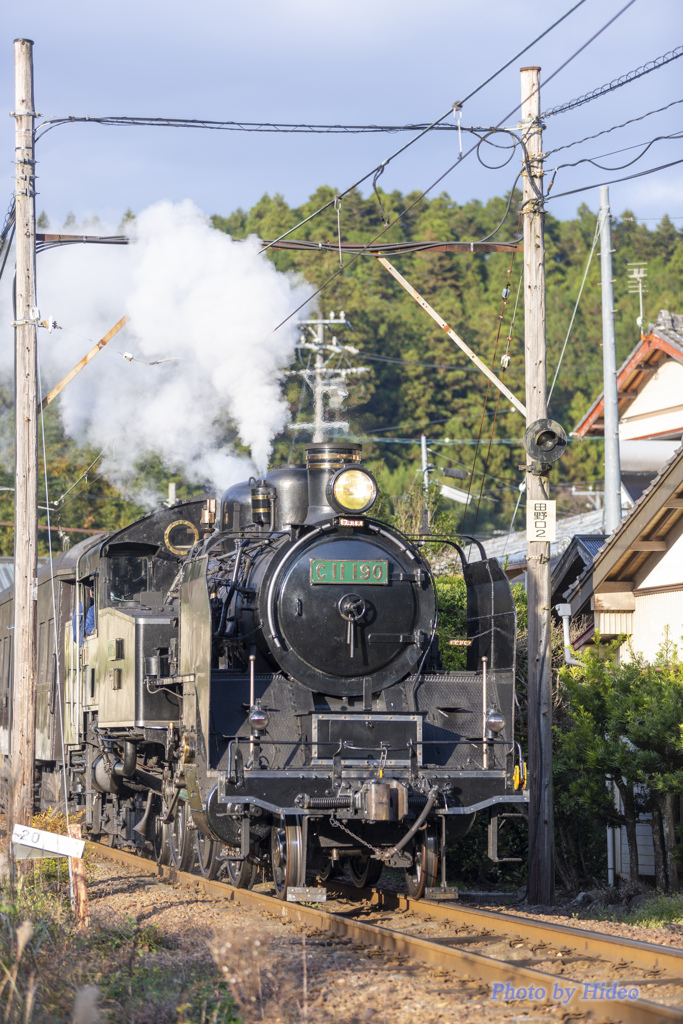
{"points": [[541, 852], [26, 449]]}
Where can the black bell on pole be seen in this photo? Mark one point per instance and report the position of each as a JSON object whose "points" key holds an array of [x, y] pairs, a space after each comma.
{"points": [[545, 441]]}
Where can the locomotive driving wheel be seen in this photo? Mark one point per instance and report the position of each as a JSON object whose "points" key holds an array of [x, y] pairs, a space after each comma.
{"points": [[364, 871], [286, 856], [241, 873], [423, 871], [177, 840], [208, 860]]}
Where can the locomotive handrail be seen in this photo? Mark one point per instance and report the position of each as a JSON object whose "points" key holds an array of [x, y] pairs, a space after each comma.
{"points": [[231, 588], [473, 742], [422, 540]]}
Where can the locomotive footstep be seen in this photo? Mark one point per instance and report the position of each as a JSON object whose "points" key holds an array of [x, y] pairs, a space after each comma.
{"points": [[306, 894]]}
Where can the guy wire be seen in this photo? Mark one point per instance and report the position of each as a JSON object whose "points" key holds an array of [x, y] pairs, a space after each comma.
{"points": [[506, 295], [54, 623]]}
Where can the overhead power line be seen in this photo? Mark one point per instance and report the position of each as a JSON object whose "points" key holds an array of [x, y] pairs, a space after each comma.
{"points": [[279, 128], [644, 146], [46, 126], [461, 157], [613, 181], [614, 128], [616, 83]]}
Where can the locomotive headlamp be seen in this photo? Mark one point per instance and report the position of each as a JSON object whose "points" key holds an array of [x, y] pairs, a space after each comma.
{"points": [[495, 720], [258, 718], [352, 490]]}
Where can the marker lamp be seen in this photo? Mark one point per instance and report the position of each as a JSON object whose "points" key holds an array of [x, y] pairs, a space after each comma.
{"points": [[258, 719], [495, 720], [352, 490]]}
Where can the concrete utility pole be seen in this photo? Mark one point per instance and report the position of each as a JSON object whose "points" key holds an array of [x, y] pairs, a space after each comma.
{"points": [[424, 516], [541, 851], [26, 448], [318, 389], [425, 465], [322, 379], [609, 372]]}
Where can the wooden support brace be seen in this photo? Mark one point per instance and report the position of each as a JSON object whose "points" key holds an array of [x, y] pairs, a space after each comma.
{"points": [[452, 335], [83, 362]]}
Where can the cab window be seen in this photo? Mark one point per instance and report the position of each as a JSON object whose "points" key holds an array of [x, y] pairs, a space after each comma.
{"points": [[128, 576]]}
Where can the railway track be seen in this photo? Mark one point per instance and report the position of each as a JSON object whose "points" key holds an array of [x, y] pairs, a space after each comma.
{"points": [[536, 963]]}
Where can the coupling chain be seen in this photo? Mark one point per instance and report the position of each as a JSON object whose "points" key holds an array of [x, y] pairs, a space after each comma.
{"points": [[336, 823]]}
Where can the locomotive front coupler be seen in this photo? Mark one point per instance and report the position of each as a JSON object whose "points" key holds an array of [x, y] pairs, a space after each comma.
{"points": [[376, 799]]}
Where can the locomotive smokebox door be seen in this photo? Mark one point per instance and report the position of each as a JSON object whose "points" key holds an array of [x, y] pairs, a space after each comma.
{"points": [[340, 609]]}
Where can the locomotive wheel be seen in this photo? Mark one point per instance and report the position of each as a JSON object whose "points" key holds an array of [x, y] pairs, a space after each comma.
{"points": [[329, 870], [286, 856], [208, 851], [162, 851], [364, 871], [179, 840], [422, 874], [242, 873]]}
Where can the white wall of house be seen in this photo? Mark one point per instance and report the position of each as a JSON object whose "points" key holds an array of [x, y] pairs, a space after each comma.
{"points": [[654, 612], [658, 410], [658, 604]]}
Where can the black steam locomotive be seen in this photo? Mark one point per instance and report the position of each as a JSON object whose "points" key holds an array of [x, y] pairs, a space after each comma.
{"points": [[260, 684]]}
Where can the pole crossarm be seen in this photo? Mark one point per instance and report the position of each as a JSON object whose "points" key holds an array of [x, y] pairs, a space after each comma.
{"points": [[452, 335], [50, 397]]}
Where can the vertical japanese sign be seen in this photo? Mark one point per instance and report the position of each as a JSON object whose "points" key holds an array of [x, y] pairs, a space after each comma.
{"points": [[540, 520]]}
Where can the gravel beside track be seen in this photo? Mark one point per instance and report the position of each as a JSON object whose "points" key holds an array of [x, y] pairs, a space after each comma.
{"points": [[347, 983], [261, 945]]}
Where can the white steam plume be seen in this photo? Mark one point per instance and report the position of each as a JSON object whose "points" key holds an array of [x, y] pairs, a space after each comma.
{"points": [[199, 300]]}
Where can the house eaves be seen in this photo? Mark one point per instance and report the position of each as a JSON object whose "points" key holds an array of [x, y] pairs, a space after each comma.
{"points": [[664, 341]]}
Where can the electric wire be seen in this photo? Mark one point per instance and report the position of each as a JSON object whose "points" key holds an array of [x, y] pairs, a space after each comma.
{"points": [[616, 83], [461, 157], [522, 490], [645, 146], [615, 127], [380, 167], [576, 306], [63, 496], [614, 181], [8, 246], [8, 227], [48, 125], [281, 128]]}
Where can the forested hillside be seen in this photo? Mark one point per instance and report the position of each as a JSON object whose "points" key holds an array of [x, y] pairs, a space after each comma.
{"points": [[446, 397], [418, 381]]}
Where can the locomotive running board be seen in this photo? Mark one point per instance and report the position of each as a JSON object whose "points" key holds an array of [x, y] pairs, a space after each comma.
{"points": [[306, 894]]}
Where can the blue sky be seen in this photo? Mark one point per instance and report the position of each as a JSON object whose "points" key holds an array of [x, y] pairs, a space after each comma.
{"points": [[386, 61]]}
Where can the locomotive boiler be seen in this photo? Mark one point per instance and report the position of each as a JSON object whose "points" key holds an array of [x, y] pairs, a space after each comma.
{"points": [[263, 686]]}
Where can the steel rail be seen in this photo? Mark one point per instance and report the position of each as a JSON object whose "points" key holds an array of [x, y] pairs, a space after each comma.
{"points": [[433, 952], [648, 955]]}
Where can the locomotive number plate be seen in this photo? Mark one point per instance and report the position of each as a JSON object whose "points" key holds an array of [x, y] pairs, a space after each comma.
{"points": [[343, 570]]}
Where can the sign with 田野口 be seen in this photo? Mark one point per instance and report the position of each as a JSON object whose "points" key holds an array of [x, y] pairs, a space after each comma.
{"points": [[540, 520]]}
